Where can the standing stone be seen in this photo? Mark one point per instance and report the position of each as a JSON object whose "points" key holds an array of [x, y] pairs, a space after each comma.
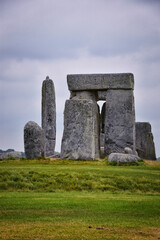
{"points": [[119, 121], [33, 140], [144, 141], [81, 129], [49, 116]]}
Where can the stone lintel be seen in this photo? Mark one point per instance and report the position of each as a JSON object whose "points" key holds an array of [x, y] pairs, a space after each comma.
{"points": [[82, 82]]}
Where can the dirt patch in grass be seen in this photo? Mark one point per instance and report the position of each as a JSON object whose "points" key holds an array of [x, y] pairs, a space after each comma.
{"points": [[72, 231], [152, 163]]}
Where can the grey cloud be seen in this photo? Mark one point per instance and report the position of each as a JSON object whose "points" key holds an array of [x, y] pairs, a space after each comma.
{"points": [[58, 29]]}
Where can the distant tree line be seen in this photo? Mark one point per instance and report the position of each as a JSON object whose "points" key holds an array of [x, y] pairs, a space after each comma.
{"points": [[6, 151]]}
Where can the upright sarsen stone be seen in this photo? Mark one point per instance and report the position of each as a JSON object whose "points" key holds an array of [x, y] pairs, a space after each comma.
{"points": [[49, 116], [119, 121], [33, 140], [81, 130], [144, 141]]}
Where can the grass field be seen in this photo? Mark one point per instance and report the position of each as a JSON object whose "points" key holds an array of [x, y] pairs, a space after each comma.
{"points": [[55, 199]]}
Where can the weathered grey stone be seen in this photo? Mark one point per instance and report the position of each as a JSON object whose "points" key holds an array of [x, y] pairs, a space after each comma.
{"points": [[33, 140], [49, 116], [81, 130], [102, 95], [122, 158], [90, 95], [102, 137], [14, 154], [79, 82], [102, 117], [128, 150], [144, 141], [119, 121]]}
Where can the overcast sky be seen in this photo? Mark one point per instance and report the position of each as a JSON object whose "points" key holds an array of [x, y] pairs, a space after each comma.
{"points": [[60, 37]]}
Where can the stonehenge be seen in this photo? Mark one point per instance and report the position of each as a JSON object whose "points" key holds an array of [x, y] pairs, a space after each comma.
{"points": [[83, 126], [90, 132]]}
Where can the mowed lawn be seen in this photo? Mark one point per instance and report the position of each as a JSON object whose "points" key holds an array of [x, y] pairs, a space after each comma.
{"points": [[55, 199]]}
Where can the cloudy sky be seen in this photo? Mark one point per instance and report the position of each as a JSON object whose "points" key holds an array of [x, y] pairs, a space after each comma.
{"points": [[60, 37]]}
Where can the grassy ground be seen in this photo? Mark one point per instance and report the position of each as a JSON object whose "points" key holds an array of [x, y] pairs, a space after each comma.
{"points": [[56, 175], [78, 200]]}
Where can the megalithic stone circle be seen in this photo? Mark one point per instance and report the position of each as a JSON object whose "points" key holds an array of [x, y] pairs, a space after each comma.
{"points": [[33, 140], [49, 116]]}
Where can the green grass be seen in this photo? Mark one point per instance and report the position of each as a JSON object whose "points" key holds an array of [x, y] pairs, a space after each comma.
{"points": [[58, 175], [45, 199], [74, 215]]}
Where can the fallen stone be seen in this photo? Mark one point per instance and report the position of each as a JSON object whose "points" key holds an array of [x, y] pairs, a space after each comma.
{"points": [[122, 158], [33, 140]]}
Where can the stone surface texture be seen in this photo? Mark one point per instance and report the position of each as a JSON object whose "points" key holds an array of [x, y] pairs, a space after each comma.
{"points": [[91, 95], [102, 95], [122, 158], [144, 141], [81, 130], [119, 121], [49, 116], [79, 82], [102, 118], [128, 150], [33, 140]]}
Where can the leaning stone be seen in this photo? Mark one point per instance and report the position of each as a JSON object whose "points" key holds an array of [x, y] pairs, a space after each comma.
{"points": [[33, 140], [122, 158], [79, 82], [144, 141], [119, 126], [81, 130], [49, 116]]}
